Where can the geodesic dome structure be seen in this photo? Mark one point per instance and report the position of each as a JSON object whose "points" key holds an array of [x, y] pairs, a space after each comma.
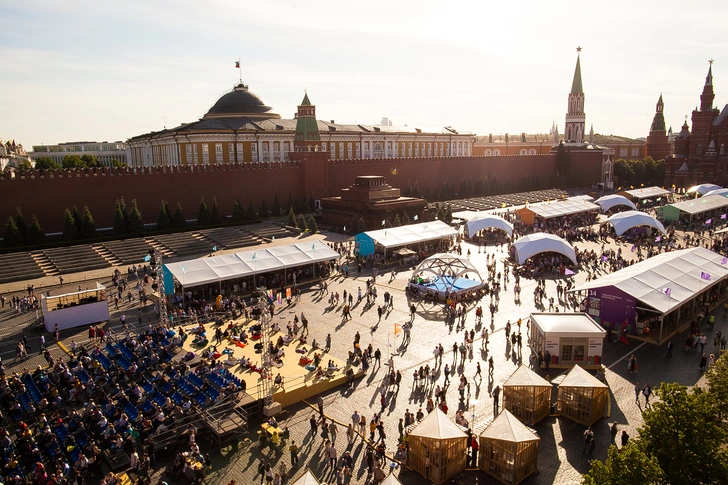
{"points": [[448, 269]]}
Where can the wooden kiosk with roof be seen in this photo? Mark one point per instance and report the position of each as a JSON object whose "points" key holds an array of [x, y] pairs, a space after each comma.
{"points": [[527, 395], [307, 479], [508, 449], [437, 448], [582, 397]]}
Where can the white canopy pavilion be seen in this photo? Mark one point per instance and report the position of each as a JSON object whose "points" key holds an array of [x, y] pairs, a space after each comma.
{"points": [[644, 193], [723, 192], [201, 271], [484, 221], [394, 237], [703, 189], [624, 221], [541, 242], [609, 201]]}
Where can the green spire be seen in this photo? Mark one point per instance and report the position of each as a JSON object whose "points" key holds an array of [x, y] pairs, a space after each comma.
{"points": [[576, 84], [306, 126]]}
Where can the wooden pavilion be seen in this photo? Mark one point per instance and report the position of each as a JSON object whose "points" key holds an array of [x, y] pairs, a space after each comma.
{"points": [[307, 479], [527, 395], [437, 448], [390, 480], [582, 397], [508, 449]]}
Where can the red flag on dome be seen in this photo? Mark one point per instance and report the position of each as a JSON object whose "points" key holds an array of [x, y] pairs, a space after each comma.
{"points": [[237, 64]]}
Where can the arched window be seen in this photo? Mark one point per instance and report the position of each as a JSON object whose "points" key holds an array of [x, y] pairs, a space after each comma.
{"points": [[532, 151], [488, 153], [722, 148], [699, 149], [523, 152], [496, 153]]}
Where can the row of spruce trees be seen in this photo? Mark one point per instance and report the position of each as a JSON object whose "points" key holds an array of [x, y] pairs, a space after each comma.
{"points": [[129, 220]]}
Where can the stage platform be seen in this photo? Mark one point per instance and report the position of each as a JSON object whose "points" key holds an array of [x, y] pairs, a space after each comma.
{"points": [[298, 382], [441, 284]]}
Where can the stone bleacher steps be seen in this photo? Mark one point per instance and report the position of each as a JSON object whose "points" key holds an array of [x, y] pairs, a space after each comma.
{"points": [[45, 263], [106, 254]]}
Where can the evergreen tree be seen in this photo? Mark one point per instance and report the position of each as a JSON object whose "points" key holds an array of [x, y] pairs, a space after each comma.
{"points": [[215, 217], [119, 217], [440, 214], [289, 206], [407, 191], [22, 227], [251, 215], [136, 222], [70, 231], [291, 218], [311, 204], [12, 237], [164, 222], [166, 209], [88, 226], [203, 215], [397, 221], [35, 233], [361, 226], [302, 222], [448, 214], [387, 224], [77, 219], [238, 212], [263, 212], [276, 209], [405, 219], [416, 190], [312, 226], [351, 228], [178, 220]]}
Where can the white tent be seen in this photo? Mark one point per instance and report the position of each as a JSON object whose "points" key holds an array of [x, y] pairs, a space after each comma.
{"points": [[202, 271], [723, 192], [623, 221], [703, 189], [307, 479], [609, 201], [685, 272], [646, 192], [438, 426], [410, 234], [483, 221], [540, 243]]}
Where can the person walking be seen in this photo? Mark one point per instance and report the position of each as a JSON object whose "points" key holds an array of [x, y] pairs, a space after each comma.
{"points": [[496, 395], [613, 433], [590, 452], [293, 449], [588, 436], [490, 366], [320, 403], [625, 438], [669, 349], [647, 392], [703, 362]]}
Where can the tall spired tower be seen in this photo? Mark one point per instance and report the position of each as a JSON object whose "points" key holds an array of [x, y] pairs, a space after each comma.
{"points": [[575, 116]]}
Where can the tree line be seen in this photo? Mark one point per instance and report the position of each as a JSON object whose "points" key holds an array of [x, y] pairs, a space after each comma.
{"points": [[128, 220], [684, 438], [74, 161], [636, 173]]}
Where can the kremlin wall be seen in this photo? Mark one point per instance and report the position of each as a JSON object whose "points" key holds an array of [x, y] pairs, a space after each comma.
{"points": [[47, 193]]}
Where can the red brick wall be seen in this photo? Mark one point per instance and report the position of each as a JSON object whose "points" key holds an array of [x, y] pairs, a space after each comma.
{"points": [[47, 196]]}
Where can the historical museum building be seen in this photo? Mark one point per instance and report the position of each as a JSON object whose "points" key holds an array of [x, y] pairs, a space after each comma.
{"points": [[700, 155]]}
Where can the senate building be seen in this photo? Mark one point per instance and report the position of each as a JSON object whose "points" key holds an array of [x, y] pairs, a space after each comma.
{"points": [[241, 128]]}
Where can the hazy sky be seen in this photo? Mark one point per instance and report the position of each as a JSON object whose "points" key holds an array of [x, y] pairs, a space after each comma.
{"points": [[109, 70]]}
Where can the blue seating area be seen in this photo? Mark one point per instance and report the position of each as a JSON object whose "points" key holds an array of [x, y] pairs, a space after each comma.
{"points": [[32, 389]]}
